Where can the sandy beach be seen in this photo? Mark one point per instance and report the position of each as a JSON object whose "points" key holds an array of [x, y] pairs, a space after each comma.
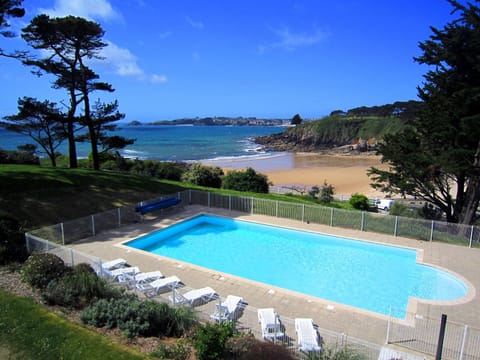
{"points": [[347, 173]]}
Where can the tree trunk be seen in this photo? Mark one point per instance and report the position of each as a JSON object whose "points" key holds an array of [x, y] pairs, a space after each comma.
{"points": [[472, 194], [72, 149], [94, 141]]}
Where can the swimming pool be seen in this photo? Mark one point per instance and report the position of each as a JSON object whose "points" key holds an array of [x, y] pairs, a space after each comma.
{"points": [[361, 274]]}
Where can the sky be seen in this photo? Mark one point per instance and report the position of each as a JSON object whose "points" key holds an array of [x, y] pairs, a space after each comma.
{"points": [[169, 59]]}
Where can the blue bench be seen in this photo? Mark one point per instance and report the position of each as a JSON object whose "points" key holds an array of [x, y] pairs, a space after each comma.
{"points": [[157, 205]]}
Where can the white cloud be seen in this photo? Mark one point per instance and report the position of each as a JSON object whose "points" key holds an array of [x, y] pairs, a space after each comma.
{"points": [[83, 8], [290, 41], [121, 60], [158, 79], [195, 24]]}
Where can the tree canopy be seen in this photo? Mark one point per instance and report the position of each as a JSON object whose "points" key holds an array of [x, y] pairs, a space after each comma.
{"points": [[437, 156], [68, 43], [41, 121], [9, 9], [247, 180]]}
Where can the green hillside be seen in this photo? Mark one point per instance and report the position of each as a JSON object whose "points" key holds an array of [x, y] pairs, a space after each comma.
{"points": [[38, 196], [343, 128]]}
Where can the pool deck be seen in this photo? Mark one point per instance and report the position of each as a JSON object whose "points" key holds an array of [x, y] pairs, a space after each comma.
{"points": [[360, 324]]}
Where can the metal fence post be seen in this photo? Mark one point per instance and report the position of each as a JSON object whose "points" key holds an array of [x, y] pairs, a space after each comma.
{"points": [[362, 226], [395, 230], [471, 236], [251, 208], [276, 208], [388, 326], [303, 212], [93, 225], [331, 217], [27, 243], [208, 196], [63, 233], [230, 202], [119, 215], [441, 337], [72, 257], [431, 230], [465, 332]]}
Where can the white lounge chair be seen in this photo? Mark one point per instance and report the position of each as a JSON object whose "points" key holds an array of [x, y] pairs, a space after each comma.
{"points": [[155, 287], [307, 335], [270, 323], [226, 310], [192, 297], [113, 264], [131, 280], [117, 274]]}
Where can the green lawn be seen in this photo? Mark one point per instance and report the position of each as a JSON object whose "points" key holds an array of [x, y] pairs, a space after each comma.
{"points": [[30, 331], [39, 196]]}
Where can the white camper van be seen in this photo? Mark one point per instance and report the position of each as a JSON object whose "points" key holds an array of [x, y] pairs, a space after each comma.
{"points": [[385, 204]]}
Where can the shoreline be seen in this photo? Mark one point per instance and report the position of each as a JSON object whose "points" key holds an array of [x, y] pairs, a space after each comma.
{"points": [[346, 173]]}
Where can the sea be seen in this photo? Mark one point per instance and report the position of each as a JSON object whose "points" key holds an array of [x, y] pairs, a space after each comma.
{"points": [[174, 143]]}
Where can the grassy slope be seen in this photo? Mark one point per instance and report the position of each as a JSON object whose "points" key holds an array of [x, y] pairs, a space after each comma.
{"points": [[39, 196], [36, 333], [42, 196]]}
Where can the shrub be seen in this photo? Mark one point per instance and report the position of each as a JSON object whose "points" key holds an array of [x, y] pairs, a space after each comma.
{"points": [[170, 321], [135, 317], [429, 212], [359, 201], [246, 347], [170, 171], [211, 340], [248, 180], [12, 242], [42, 268], [179, 351], [18, 157], [202, 175], [79, 288], [399, 209], [340, 353], [314, 191], [326, 193]]}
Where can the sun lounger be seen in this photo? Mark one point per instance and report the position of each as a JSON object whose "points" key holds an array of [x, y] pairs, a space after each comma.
{"points": [[193, 297], [307, 335], [141, 278], [226, 310], [114, 264], [270, 323], [117, 274], [157, 286]]}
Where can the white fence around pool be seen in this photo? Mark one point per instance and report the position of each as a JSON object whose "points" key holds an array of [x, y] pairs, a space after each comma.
{"points": [[245, 321], [70, 231], [462, 342]]}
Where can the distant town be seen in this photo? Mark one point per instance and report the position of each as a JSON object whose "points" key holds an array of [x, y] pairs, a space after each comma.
{"points": [[221, 120]]}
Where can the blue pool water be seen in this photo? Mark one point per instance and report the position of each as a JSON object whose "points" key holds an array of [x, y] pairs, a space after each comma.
{"points": [[370, 276]]}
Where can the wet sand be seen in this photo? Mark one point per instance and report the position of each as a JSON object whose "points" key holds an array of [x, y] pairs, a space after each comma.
{"points": [[346, 173]]}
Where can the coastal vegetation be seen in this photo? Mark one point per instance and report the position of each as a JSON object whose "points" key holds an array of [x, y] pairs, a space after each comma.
{"points": [[436, 156], [222, 121], [357, 129], [66, 43]]}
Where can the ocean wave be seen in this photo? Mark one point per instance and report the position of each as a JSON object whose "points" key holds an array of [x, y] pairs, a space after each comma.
{"points": [[134, 154], [257, 156]]}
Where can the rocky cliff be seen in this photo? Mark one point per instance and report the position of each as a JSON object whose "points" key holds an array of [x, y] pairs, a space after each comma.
{"points": [[346, 133]]}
